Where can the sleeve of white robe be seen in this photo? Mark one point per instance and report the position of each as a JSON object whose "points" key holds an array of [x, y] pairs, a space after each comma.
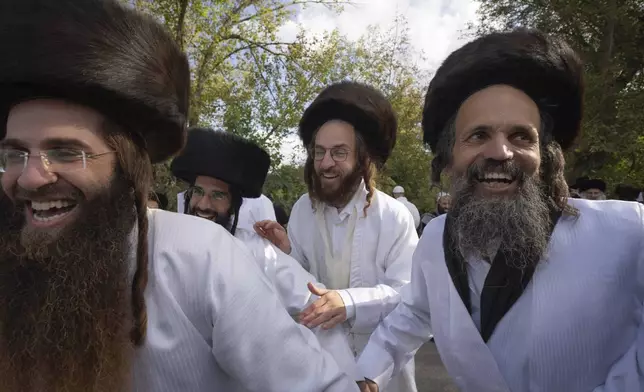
{"points": [[293, 231], [290, 280], [271, 353], [372, 304], [402, 332], [627, 374]]}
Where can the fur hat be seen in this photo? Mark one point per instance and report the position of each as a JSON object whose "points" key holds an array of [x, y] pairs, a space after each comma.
{"points": [[545, 68], [227, 157], [99, 54], [593, 183], [627, 192], [579, 181], [362, 106]]}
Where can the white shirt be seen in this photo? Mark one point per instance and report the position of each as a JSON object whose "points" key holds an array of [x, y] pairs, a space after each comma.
{"points": [[412, 209], [380, 262], [215, 323], [255, 210], [578, 326]]}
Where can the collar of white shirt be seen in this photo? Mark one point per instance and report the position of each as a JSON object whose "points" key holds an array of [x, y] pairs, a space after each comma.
{"points": [[358, 201]]}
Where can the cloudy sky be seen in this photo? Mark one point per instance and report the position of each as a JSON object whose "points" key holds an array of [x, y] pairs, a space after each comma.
{"points": [[436, 26]]}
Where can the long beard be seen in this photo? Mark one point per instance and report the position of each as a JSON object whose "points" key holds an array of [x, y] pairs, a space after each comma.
{"points": [[64, 303], [518, 225], [340, 196]]}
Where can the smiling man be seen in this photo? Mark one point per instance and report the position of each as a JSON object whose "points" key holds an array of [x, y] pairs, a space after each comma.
{"points": [[523, 288], [224, 170], [98, 293], [349, 235]]}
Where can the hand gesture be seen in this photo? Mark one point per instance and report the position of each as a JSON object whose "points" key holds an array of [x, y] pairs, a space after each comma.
{"points": [[329, 310], [275, 233], [368, 386]]}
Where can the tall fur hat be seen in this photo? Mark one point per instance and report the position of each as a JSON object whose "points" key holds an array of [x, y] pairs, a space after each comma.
{"points": [[227, 157], [362, 106], [545, 68], [593, 183], [99, 54]]}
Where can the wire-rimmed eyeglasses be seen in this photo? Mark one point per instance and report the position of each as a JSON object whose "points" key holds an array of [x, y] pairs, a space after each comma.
{"points": [[55, 160], [338, 154]]}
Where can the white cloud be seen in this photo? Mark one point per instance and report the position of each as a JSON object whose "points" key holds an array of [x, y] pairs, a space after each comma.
{"points": [[436, 27]]}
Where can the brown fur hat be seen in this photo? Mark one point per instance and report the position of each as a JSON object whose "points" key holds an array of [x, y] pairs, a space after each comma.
{"points": [[99, 54], [545, 68], [360, 105]]}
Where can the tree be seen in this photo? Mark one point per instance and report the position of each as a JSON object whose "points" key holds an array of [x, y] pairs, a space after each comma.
{"points": [[609, 35], [285, 185], [244, 79]]}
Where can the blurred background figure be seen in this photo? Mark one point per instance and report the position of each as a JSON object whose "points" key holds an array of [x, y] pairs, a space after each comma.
{"points": [[281, 215], [399, 194], [626, 192], [443, 203], [574, 188], [593, 189], [158, 200]]}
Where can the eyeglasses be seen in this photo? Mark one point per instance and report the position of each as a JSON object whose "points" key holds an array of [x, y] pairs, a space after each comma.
{"points": [[197, 193], [56, 160], [338, 154]]}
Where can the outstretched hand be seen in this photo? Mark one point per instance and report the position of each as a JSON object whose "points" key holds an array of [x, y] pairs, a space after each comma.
{"points": [[329, 310], [275, 233], [367, 386]]}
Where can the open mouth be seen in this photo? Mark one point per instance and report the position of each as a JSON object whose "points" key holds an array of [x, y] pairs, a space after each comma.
{"points": [[328, 176], [51, 212], [497, 180], [204, 215]]}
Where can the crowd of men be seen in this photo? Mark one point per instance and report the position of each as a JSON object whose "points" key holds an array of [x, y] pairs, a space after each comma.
{"points": [[523, 286]]}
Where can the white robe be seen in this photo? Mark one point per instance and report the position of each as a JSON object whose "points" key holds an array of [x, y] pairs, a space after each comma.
{"points": [[412, 209], [215, 323], [578, 326], [381, 252], [290, 280]]}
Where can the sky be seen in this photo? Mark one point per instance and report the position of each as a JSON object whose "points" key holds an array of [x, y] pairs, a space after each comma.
{"points": [[437, 27]]}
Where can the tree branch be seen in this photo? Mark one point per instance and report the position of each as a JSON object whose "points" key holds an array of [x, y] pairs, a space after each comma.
{"points": [[280, 7], [183, 4]]}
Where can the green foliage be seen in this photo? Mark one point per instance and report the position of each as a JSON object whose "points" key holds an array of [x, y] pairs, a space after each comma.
{"points": [[245, 81], [285, 185], [609, 36]]}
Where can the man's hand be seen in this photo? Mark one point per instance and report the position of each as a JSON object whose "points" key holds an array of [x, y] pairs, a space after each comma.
{"points": [[275, 233], [329, 310], [368, 386]]}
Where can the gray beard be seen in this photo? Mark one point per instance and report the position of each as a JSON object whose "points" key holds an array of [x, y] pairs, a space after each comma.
{"points": [[518, 225]]}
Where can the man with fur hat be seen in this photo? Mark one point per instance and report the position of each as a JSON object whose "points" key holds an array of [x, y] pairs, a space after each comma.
{"points": [[349, 235], [523, 288], [593, 189], [223, 171], [97, 292]]}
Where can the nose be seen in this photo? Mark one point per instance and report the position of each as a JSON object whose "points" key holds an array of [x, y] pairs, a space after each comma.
{"points": [[327, 161], [499, 148], [35, 175], [205, 204]]}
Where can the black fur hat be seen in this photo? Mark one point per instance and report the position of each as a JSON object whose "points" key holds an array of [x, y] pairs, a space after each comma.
{"points": [[592, 183], [545, 68], [227, 157], [360, 105], [627, 192], [99, 54]]}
